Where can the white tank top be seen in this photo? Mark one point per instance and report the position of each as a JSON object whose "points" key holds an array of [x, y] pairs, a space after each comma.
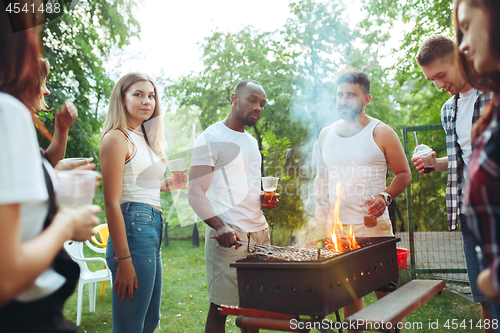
{"points": [[143, 172], [351, 161]]}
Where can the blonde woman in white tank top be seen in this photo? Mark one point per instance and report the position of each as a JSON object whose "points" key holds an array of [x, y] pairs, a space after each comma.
{"points": [[132, 166]]}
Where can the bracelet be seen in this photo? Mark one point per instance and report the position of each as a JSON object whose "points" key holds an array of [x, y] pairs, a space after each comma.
{"points": [[117, 260]]}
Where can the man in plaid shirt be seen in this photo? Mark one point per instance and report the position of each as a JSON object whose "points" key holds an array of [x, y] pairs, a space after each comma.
{"points": [[436, 57]]}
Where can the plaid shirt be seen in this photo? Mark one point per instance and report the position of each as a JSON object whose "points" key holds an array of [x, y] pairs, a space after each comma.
{"points": [[455, 162], [482, 194]]}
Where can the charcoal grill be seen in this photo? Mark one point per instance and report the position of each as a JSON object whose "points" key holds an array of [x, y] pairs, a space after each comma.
{"points": [[317, 288]]}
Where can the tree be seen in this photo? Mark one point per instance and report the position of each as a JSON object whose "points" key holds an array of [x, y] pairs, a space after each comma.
{"points": [[296, 67], [419, 100], [428, 18], [229, 58], [76, 44]]}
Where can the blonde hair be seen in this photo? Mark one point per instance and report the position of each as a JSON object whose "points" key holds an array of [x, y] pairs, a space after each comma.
{"points": [[116, 118]]}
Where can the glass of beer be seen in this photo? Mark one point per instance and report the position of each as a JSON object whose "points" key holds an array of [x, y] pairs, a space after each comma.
{"points": [[269, 185], [368, 200], [177, 168]]}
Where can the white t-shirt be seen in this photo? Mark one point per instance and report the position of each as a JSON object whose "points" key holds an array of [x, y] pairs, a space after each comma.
{"points": [[22, 181], [235, 186], [464, 122]]}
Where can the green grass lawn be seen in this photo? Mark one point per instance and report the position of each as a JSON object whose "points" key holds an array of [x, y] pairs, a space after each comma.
{"points": [[185, 301]]}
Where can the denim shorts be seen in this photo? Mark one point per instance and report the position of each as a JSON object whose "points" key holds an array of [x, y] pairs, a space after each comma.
{"points": [[144, 226]]}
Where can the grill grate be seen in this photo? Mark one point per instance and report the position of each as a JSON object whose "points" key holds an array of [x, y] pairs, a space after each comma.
{"points": [[295, 253]]}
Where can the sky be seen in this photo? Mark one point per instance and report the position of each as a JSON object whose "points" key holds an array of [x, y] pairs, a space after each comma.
{"points": [[172, 31]]}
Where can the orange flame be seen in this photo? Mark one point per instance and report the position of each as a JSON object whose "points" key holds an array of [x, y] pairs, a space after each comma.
{"points": [[342, 241]]}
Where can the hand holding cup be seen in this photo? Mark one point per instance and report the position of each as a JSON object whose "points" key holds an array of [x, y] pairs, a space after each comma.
{"points": [[424, 159], [269, 201], [76, 187], [178, 181], [81, 163], [80, 221], [178, 170], [268, 197]]}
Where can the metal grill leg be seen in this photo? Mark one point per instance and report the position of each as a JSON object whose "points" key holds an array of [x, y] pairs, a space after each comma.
{"points": [[319, 320], [337, 315]]}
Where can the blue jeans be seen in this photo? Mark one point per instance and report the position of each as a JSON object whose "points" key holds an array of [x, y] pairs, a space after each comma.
{"points": [[495, 310], [472, 261], [144, 226]]}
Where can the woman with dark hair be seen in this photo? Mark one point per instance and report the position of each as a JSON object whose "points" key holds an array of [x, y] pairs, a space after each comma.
{"points": [[478, 41], [35, 279], [64, 119]]}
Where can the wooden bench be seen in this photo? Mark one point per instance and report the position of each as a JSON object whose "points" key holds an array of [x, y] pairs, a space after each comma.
{"points": [[389, 311]]}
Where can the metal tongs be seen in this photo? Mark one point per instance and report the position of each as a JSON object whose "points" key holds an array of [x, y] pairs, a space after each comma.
{"points": [[254, 245]]}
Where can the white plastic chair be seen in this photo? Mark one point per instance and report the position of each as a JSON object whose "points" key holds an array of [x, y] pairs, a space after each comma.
{"points": [[75, 250], [103, 232]]}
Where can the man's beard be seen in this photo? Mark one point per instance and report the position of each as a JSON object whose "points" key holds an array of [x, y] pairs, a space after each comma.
{"points": [[351, 113], [247, 121]]}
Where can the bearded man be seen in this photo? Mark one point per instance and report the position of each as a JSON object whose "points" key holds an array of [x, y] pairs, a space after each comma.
{"points": [[354, 153]]}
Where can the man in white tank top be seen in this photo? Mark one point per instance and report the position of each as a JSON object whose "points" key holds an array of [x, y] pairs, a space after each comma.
{"points": [[224, 192], [352, 150]]}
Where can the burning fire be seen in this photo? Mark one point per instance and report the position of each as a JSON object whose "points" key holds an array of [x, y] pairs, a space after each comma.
{"points": [[343, 241]]}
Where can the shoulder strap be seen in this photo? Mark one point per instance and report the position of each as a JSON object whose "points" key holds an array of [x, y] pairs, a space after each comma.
{"points": [[131, 143], [129, 139], [323, 138], [372, 124], [52, 198]]}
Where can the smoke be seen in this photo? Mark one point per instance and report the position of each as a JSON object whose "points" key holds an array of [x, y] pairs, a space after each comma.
{"points": [[314, 104], [181, 128]]}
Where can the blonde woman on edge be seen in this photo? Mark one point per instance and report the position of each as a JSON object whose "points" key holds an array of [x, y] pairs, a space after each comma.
{"points": [[132, 166]]}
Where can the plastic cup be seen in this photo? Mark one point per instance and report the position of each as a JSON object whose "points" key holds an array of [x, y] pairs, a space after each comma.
{"points": [[368, 200], [177, 168], [75, 159], [370, 222], [269, 185], [424, 153], [76, 187]]}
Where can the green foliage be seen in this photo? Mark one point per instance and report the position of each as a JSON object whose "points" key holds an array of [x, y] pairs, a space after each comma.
{"points": [[428, 191], [289, 213], [418, 99], [296, 66], [76, 45], [274, 154], [230, 58], [428, 17]]}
